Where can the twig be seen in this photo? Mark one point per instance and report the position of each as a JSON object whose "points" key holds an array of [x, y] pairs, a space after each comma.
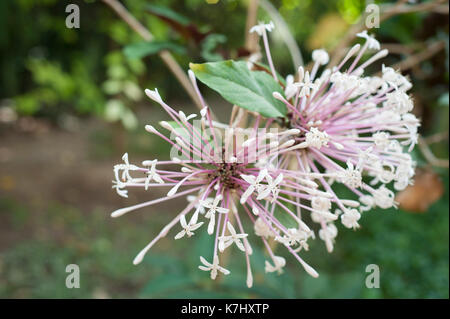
{"points": [[251, 39], [415, 59], [165, 55], [436, 138], [388, 11], [429, 156]]}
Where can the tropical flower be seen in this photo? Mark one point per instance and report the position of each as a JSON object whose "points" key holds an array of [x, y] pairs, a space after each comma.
{"points": [[342, 128]]}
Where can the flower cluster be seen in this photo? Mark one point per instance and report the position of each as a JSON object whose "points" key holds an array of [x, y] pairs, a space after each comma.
{"points": [[354, 127], [343, 128]]}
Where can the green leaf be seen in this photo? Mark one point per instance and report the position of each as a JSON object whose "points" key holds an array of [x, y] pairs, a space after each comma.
{"points": [[141, 49], [251, 90], [168, 13]]}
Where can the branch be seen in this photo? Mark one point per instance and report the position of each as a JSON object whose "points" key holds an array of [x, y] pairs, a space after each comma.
{"points": [[415, 59], [429, 156], [165, 55], [388, 11], [251, 39]]}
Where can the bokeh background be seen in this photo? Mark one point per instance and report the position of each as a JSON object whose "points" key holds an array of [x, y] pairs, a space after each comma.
{"points": [[71, 103]]}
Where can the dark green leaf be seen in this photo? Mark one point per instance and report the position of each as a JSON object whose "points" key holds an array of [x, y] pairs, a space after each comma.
{"points": [[168, 13], [251, 90]]}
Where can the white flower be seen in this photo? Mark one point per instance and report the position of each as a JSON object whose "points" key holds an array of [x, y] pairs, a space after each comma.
{"points": [[279, 263], [320, 56], [395, 79], [366, 157], [120, 188], [322, 207], [200, 208], [351, 176], [254, 184], [262, 229], [328, 235], [211, 213], [259, 28], [316, 138], [151, 173], [154, 95], [291, 87], [306, 85], [372, 43], [381, 140], [345, 82], [272, 187], [368, 203], [321, 204], [125, 168], [384, 172], [399, 102], [403, 174], [121, 180], [188, 228], [226, 241], [214, 267], [294, 236], [350, 218], [185, 118], [384, 197]]}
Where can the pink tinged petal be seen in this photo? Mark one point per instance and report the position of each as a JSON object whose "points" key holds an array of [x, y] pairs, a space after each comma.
{"points": [[264, 193], [158, 179], [248, 178], [239, 245], [183, 221], [248, 247], [221, 245], [222, 210], [211, 225], [261, 176], [279, 179], [327, 215], [204, 268], [203, 260], [247, 193], [194, 218], [231, 229], [180, 234], [196, 226], [224, 271]]}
